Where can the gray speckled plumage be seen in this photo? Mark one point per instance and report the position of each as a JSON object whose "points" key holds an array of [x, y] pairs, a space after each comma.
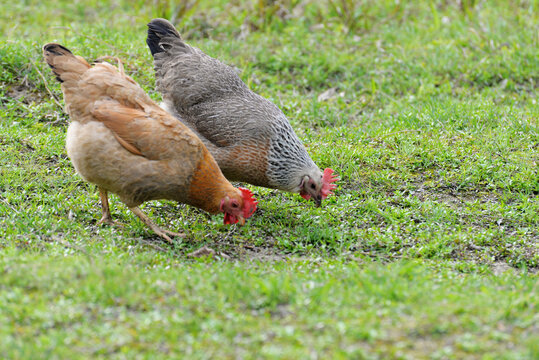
{"points": [[249, 136]]}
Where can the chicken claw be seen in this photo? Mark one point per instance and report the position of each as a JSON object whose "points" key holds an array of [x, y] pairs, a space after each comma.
{"points": [[161, 232]]}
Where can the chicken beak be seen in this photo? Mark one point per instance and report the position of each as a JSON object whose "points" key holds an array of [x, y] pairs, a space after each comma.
{"points": [[241, 220], [318, 200]]}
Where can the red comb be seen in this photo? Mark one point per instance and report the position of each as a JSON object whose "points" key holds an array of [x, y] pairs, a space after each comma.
{"points": [[249, 202], [327, 183]]}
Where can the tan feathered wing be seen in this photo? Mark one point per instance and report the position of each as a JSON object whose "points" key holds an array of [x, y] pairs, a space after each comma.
{"points": [[155, 135], [160, 137]]}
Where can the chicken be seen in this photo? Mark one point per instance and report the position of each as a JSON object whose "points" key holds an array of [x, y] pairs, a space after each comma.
{"points": [[249, 137], [122, 141]]}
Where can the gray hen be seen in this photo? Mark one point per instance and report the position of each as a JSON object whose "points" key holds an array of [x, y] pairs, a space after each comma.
{"points": [[249, 136]]}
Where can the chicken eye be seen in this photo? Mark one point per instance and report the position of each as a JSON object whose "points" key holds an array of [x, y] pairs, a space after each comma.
{"points": [[234, 205], [313, 186]]}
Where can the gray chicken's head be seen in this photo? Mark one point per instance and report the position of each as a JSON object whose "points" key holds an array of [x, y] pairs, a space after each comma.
{"points": [[317, 186]]}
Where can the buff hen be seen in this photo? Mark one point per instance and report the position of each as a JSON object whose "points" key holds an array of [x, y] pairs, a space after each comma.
{"points": [[122, 141]]}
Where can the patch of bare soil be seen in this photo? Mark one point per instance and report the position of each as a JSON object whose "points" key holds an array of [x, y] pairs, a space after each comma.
{"points": [[452, 197], [266, 254], [499, 267], [25, 92], [247, 251]]}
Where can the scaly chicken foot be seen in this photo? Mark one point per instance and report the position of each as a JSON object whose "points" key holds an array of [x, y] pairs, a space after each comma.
{"points": [[106, 218], [172, 233], [160, 232]]}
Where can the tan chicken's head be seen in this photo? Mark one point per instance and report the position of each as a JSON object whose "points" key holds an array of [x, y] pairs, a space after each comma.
{"points": [[238, 206], [318, 186]]}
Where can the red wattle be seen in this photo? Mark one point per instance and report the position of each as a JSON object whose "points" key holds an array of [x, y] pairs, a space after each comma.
{"points": [[230, 219]]}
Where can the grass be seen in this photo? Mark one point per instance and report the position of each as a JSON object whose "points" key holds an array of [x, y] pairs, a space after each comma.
{"points": [[427, 110], [266, 310]]}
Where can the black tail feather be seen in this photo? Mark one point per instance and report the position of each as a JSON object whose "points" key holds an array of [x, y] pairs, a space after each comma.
{"points": [[158, 29], [56, 49]]}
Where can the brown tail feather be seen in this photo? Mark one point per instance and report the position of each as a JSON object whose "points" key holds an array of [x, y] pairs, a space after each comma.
{"points": [[63, 63]]}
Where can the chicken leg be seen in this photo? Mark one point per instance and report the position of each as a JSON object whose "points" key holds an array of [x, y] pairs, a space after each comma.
{"points": [[106, 218], [161, 232]]}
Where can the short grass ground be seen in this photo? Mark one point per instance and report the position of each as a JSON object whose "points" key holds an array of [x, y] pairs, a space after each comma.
{"points": [[427, 110]]}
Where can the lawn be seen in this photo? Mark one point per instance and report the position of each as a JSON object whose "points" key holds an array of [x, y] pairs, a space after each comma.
{"points": [[428, 111]]}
